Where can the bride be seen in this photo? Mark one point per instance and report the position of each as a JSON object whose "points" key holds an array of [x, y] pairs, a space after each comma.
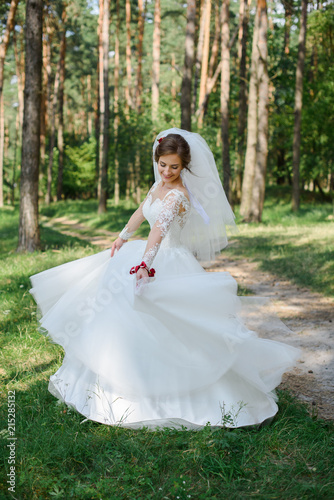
{"points": [[150, 338]]}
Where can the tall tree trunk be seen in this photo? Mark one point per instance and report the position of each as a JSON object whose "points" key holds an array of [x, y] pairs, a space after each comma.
{"points": [[262, 115], [139, 78], [116, 110], [46, 85], [19, 68], [288, 7], [250, 159], [97, 115], [61, 107], [5, 41], [188, 65], [205, 57], [128, 88], [214, 70], [42, 141], [242, 113], [137, 193], [211, 83], [225, 95], [199, 51], [52, 135], [46, 98], [17, 130], [3, 50], [156, 62], [104, 106], [89, 106], [215, 43], [29, 238], [298, 107]]}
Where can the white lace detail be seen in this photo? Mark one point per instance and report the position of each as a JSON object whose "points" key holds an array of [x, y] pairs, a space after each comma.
{"points": [[167, 218], [150, 254], [125, 234]]}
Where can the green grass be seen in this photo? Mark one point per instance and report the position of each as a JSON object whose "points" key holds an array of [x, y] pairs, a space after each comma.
{"points": [[60, 456], [85, 212], [298, 246]]}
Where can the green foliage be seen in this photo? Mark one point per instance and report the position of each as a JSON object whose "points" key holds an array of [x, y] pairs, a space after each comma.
{"points": [[80, 170], [61, 455], [136, 134], [318, 120]]}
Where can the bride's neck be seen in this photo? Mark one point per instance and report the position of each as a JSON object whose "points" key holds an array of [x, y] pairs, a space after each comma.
{"points": [[172, 185]]}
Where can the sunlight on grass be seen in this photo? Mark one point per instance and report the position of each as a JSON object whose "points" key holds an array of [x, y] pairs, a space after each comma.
{"points": [[59, 455]]}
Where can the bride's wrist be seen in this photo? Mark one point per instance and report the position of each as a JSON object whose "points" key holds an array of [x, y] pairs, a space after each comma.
{"points": [[135, 269], [125, 234]]}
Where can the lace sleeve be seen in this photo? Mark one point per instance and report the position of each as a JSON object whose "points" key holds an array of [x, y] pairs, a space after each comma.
{"points": [[172, 206], [136, 219]]}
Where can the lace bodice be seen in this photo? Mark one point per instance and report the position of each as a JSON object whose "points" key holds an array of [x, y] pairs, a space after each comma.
{"points": [[166, 217]]}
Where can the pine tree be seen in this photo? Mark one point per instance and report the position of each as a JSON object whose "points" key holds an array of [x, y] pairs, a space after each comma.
{"points": [[29, 238]]}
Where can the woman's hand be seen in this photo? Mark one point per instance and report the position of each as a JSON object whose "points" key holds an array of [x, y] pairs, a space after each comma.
{"points": [[117, 245], [141, 273]]}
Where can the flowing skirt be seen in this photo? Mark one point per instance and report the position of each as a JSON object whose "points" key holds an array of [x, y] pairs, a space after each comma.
{"points": [[176, 351]]}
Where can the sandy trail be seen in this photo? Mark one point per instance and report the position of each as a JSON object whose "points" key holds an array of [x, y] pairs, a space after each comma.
{"points": [[309, 315]]}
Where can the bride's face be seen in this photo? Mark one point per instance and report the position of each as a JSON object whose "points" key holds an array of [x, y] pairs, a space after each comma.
{"points": [[170, 167]]}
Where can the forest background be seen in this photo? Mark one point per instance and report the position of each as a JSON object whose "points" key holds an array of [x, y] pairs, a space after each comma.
{"points": [[115, 73], [84, 88]]}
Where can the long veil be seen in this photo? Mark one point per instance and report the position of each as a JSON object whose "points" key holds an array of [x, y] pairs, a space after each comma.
{"points": [[205, 230]]}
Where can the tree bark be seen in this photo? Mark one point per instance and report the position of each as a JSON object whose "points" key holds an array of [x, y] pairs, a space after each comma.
{"points": [[288, 7], [44, 116], [52, 135], [242, 113], [97, 112], [61, 108], [3, 50], [225, 95], [116, 110], [5, 41], [19, 68], [199, 51], [17, 131], [89, 106], [215, 43], [211, 83], [250, 159], [128, 97], [29, 238], [188, 65], [104, 106], [156, 62], [262, 116], [137, 193], [298, 107], [139, 78], [205, 58]]}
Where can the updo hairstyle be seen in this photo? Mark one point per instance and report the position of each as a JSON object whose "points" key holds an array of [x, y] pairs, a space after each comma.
{"points": [[174, 144]]}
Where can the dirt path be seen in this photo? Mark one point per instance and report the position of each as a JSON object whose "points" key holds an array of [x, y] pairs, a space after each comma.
{"points": [[309, 315]]}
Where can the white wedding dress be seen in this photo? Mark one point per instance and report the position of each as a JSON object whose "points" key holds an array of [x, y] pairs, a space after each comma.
{"points": [[173, 352]]}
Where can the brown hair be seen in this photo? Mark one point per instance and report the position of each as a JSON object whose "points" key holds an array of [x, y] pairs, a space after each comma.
{"points": [[174, 144]]}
